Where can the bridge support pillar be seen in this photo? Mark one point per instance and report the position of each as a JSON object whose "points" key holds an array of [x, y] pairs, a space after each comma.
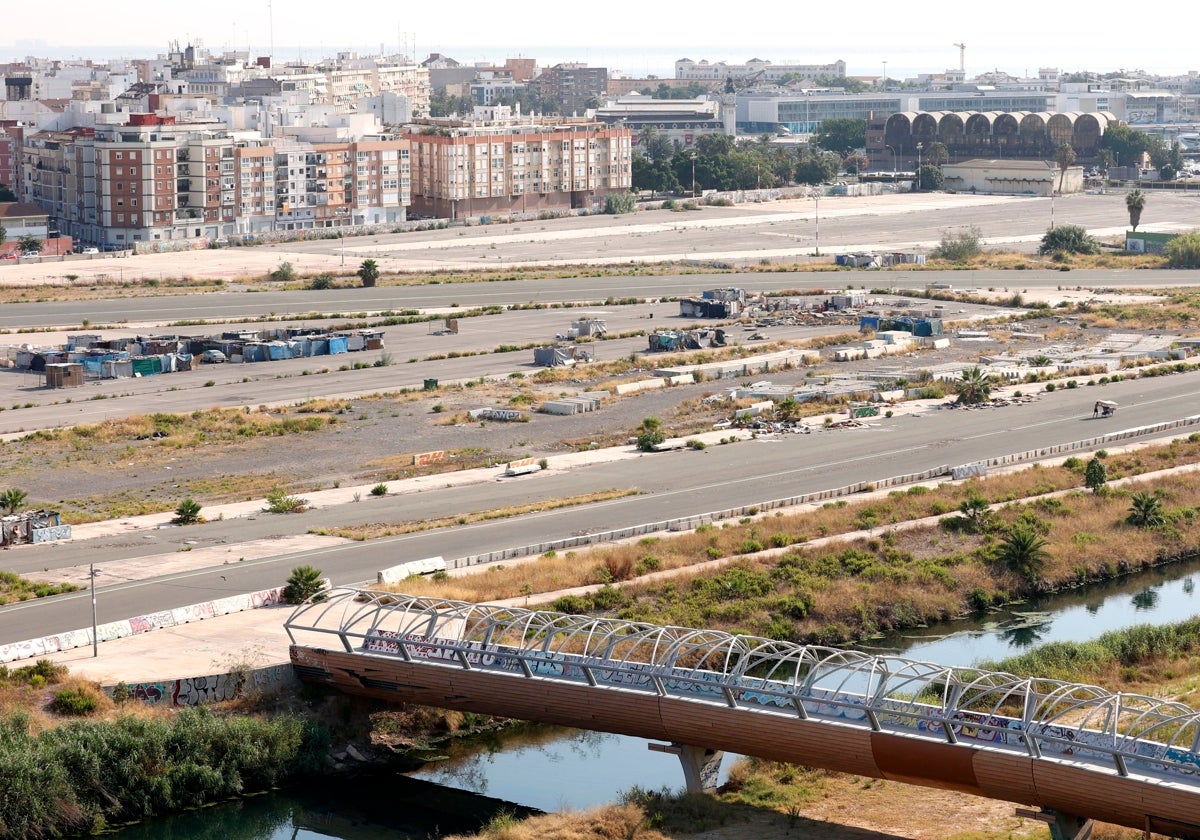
{"points": [[701, 765], [1062, 826]]}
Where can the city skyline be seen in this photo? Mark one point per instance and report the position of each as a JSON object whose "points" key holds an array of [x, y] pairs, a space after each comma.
{"points": [[636, 40]]}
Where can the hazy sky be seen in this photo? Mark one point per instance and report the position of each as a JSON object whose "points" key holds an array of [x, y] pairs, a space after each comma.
{"points": [[637, 38]]}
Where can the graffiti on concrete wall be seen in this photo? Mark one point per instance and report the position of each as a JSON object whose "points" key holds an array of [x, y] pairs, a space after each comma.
{"points": [[213, 688]]}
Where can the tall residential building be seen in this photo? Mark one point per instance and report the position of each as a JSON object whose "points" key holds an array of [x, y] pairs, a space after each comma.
{"points": [[156, 184], [517, 164], [574, 86]]}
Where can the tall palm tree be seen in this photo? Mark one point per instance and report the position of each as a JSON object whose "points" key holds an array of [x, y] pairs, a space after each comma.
{"points": [[1064, 156], [1135, 201]]}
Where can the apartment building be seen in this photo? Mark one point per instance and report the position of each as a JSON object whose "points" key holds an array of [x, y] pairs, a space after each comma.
{"points": [[574, 86], [516, 165], [155, 184]]}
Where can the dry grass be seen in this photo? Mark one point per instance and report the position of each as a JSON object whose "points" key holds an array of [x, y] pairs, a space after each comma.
{"points": [[609, 822], [376, 530], [898, 577]]}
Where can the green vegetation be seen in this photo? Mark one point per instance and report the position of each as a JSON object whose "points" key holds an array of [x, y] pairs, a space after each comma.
{"points": [[1135, 202], [1145, 510], [12, 498], [187, 513], [13, 587], [841, 136], [1068, 239], [303, 583], [650, 434], [1095, 476], [616, 204], [82, 777], [974, 387], [278, 501], [284, 272], [379, 490], [959, 246], [1163, 647], [368, 272], [1184, 250]]}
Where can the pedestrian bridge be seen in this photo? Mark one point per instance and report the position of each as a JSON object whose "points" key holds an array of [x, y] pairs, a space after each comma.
{"points": [[1076, 752]]}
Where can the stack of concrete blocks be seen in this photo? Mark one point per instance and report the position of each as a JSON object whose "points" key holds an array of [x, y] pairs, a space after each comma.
{"points": [[589, 401]]}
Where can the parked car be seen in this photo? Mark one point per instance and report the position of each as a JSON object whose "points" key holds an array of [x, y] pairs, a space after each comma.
{"points": [[90, 251], [31, 255], [212, 356], [11, 255]]}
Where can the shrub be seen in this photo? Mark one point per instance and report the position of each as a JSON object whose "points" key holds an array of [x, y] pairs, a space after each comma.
{"points": [[960, 246], [379, 490], [303, 583], [74, 701], [1068, 239], [278, 501], [616, 204], [321, 282], [286, 271], [1184, 250]]}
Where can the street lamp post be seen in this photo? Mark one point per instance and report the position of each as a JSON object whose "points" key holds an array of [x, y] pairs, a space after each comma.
{"points": [[894, 166], [817, 220], [693, 174], [92, 575], [342, 242], [919, 147]]}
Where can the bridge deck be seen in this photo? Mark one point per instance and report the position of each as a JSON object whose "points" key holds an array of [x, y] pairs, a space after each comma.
{"points": [[1076, 749]]}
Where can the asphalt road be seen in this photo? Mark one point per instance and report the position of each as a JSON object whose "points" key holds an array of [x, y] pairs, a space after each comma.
{"points": [[445, 297], [673, 484], [749, 234]]}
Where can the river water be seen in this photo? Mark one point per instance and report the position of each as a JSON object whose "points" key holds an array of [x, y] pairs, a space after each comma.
{"points": [[551, 769]]}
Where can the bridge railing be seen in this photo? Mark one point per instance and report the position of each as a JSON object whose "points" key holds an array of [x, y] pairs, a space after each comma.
{"points": [[1046, 719]]}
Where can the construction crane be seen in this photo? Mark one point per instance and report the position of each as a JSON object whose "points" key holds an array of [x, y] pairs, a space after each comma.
{"points": [[962, 57]]}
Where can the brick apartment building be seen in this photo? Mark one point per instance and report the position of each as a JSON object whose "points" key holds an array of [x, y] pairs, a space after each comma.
{"points": [[155, 181], [462, 170]]}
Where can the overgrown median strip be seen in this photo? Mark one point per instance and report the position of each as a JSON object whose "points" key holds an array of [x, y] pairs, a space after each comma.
{"points": [[376, 530]]}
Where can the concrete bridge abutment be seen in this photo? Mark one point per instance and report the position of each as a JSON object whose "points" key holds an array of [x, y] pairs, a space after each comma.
{"points": [[701, 765], [1062, 826]]}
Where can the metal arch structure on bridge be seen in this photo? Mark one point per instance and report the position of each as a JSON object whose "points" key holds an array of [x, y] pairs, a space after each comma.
{"points": [[1077, 751]]}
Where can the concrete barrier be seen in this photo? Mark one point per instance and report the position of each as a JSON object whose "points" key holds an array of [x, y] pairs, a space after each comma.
{"points": [[69, 639], [398, 573]]}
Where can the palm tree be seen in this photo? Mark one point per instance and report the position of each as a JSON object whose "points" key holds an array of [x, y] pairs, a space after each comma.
{"points": [[1135, 201], [368, 272], [974, 387], [1064, 156], [188, 512], [303, 583], [1023, 551], [12, 498], [1145, 510]]}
